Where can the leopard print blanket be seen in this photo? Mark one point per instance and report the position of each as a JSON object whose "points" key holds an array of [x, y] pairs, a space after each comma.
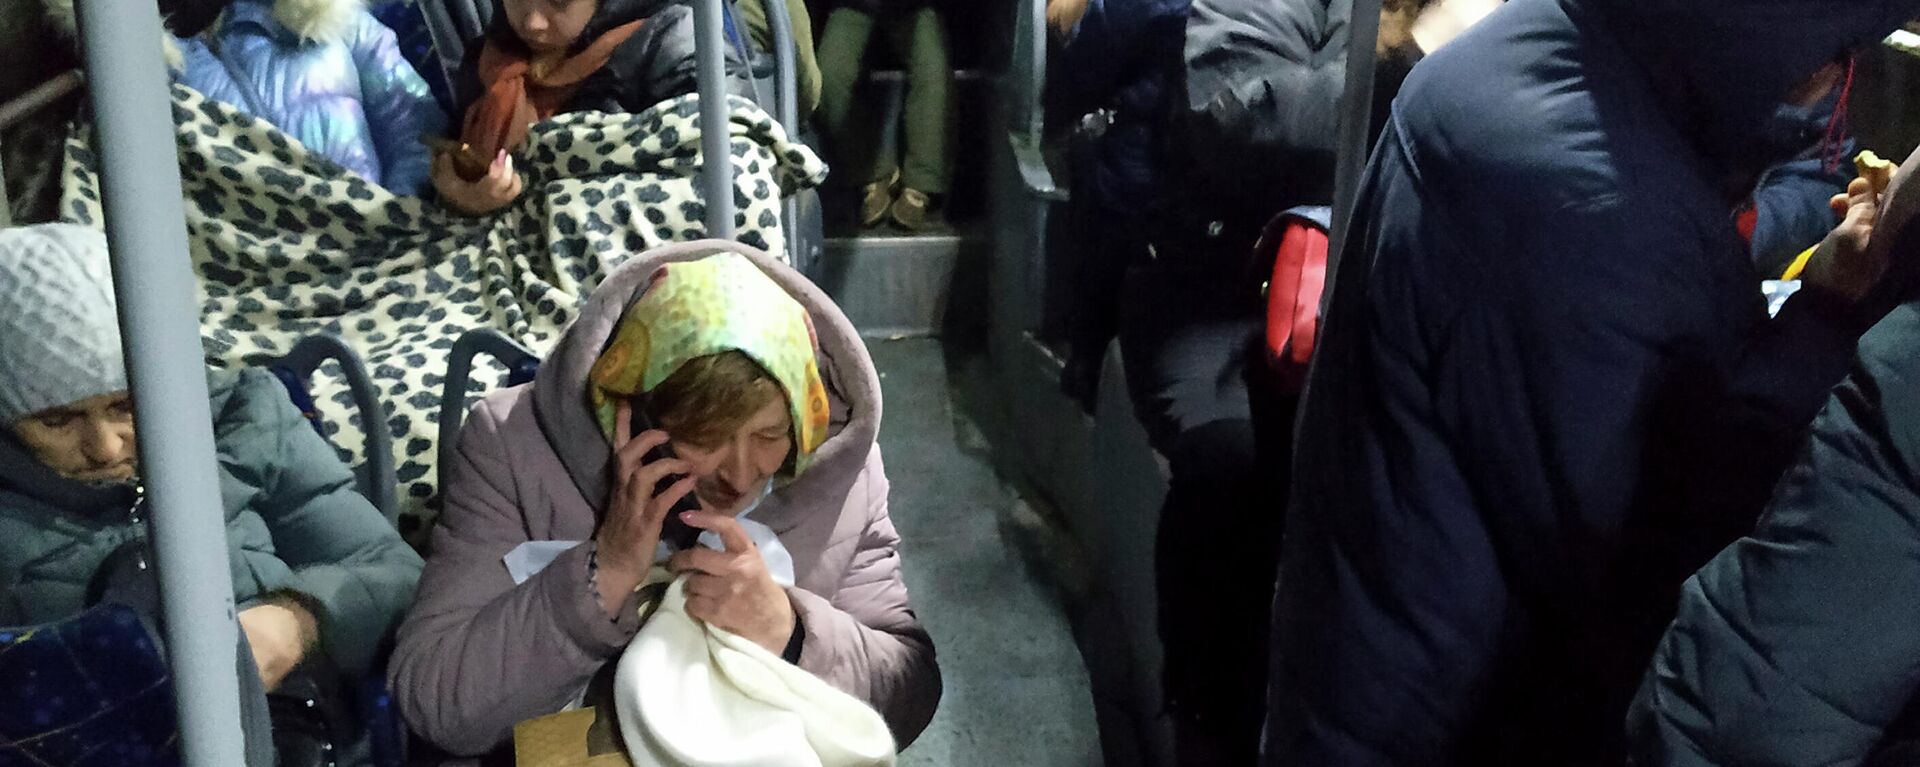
{"points": [[288, 244]]}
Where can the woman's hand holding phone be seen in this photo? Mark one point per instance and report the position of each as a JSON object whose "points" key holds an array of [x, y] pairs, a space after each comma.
{"points": [[629, 537]]}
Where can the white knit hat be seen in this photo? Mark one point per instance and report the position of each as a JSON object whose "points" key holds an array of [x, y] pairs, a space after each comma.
{"points": [[59, 331]]}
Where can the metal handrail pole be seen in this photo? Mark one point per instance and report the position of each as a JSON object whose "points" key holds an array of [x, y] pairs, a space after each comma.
{"points": [[39, 97], [483, 13], [786, 90], [716, 130], [160, 324], [1033, 26], [449, 41], [1356, 122], [467, 14], [1350, 167], [786, 97]]}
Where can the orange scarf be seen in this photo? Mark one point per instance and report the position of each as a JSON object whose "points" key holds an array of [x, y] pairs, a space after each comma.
{"points": [[516, 97]]}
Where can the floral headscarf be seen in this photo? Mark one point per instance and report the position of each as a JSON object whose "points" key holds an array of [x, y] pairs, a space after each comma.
{"points": [[717, 304]]}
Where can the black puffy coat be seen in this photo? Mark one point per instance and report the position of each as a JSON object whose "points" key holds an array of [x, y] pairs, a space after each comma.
{"points": [[1257, 111], [1800, 644]]}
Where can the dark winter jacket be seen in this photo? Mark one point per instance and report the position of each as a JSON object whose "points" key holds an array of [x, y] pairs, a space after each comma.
{"points": [[654, 65], [1123, 56], [1798, 644], [1259, 106], [1546, 389], [293, 517]]}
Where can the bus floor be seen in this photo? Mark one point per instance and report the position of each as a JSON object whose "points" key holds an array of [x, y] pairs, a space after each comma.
{"points": [[1016, 691]]}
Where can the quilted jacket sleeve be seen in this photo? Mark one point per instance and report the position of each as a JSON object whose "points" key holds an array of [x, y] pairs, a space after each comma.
{"points": [[657, 63], [1264, 81], [1796, 645], [865, 639], [1792, 212], [342, 551], [399, 106], [478, 653]]}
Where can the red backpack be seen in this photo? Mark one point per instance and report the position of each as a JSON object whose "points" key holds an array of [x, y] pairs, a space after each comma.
{"points": [[1297, 242]]}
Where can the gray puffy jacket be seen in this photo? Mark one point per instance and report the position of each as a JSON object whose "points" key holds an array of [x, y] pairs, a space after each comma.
{"points": [[294, 522]]}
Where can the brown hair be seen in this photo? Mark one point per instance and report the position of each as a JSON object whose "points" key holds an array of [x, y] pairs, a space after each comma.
{"points": [[710, 397]]}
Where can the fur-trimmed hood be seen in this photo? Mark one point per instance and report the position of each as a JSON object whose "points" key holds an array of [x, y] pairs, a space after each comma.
{"points": [[300, 21]]}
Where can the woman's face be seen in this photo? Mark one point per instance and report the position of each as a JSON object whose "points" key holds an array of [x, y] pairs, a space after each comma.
{"points": [[731, 475], [549, 26], [90, 440]]}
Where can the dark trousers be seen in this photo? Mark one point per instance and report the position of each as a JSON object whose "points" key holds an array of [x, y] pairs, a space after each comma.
{"points": [[1112, 221], [1189, 334]]}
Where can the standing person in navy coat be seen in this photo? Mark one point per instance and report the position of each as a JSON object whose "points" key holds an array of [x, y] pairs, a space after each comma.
{"points": [[1547, 389]]}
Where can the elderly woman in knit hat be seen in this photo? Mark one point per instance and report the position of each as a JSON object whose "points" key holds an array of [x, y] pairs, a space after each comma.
{"points": [[319, 576], [554, 514]]}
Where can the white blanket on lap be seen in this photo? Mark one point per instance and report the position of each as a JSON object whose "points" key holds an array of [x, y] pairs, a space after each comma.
{"points": [[688, 693], [288, 244]]}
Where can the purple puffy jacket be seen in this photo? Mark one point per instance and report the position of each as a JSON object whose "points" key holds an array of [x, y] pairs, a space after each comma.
{"points": [[328, 74]]}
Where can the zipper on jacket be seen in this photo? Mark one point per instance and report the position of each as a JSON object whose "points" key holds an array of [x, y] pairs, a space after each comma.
{"points": [[136, 515]]}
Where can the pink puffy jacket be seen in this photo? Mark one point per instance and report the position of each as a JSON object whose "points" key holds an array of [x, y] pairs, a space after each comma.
{"points": [[478, 654]]}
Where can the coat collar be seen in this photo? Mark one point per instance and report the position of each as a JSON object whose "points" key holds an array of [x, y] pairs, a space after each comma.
{"points": [[24, 474]]}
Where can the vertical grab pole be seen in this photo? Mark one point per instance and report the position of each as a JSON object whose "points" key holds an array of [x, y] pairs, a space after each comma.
{"points": [[786, 82], [716, 131], [1356, 119], [786, 98], [147, 233]]}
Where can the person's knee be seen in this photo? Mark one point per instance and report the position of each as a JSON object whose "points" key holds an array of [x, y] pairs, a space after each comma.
{"points": [[1219, 454]]}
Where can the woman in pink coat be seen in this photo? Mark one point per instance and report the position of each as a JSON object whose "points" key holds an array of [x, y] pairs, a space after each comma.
{"points": [[773, 405]]}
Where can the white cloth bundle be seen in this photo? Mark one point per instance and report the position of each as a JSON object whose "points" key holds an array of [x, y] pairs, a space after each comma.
{"points": [[690, 694]]}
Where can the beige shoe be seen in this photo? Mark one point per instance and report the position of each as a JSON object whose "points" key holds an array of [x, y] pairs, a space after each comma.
{"points": [[911, 210], [878, 197]]}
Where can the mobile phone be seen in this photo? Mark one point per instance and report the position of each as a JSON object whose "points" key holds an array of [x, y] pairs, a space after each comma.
{"points": [[466, 162], [674, 530]]}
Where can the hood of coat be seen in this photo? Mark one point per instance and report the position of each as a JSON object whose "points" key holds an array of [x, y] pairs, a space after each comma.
{"points": [[564, 406], [610, 14], [1725, 66]]}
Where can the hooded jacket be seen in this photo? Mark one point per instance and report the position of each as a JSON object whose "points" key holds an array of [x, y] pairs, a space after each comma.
{"points": [[1796, 645], [655, 64], [294, 522], [1546, 388], [479, 654], [327, 73]]}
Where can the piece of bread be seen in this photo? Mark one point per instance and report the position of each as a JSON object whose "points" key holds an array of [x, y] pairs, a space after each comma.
{"points": [[1876, 171]]}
